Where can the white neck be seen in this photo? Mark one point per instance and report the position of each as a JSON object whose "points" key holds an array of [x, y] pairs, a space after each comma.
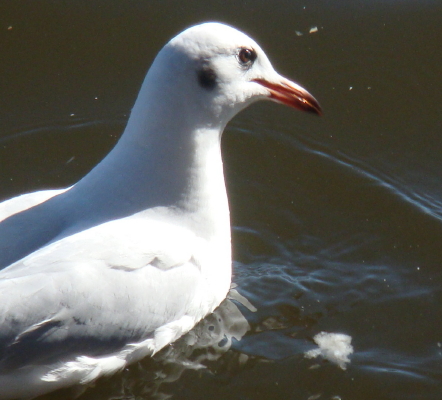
{"points": [[169, 156]]}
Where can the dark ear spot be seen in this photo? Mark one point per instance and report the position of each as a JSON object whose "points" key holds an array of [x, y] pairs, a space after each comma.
{"points": [[206, 77]]}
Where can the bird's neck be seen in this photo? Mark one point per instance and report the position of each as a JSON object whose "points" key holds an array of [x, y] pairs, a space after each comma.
{"points": [[162, 161]]}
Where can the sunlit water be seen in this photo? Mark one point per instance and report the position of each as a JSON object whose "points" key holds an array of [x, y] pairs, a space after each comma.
{"points": [[336, 220]]}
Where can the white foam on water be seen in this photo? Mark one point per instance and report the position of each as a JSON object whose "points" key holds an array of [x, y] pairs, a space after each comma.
{"points": [[335, 347]]}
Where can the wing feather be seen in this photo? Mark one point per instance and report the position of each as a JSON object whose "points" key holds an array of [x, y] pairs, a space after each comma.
{"points": [[98, 290]]}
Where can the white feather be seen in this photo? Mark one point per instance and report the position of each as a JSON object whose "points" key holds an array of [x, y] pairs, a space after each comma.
{"points": [[124, 262]]}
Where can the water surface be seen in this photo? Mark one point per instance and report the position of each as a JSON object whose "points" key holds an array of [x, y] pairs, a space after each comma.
{"points": [[336, 220]]}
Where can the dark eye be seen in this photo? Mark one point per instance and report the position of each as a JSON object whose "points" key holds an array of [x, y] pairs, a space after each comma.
{"points": [[247, 56]]}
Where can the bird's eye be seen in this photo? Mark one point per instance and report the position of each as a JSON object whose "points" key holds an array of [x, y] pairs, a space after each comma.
{"points": [[246, 56]]}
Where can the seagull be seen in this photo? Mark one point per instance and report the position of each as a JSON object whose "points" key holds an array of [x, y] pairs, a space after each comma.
{"points": [[124, 262]]}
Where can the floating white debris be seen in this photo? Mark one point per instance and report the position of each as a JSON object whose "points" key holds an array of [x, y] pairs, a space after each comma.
{"points": [[313, 29], [335, 347], [298, 33]]}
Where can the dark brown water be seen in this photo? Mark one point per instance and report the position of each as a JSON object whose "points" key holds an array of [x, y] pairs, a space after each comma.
{"points": [[337, 221]]}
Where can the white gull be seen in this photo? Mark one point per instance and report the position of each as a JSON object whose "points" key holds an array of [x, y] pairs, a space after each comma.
{"points": [[124, 262]]}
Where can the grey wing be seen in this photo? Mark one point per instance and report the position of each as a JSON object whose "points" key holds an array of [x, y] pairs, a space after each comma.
{"points": [[93, 302]]}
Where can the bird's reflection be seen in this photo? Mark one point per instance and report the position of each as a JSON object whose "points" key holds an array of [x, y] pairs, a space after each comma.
{"points": [[203, 345]]}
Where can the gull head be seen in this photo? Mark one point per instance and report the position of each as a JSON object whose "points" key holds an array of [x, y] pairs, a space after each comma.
{"points": [[212, 71]]}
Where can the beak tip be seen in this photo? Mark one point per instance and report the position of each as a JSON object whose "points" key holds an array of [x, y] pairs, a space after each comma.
{"points": [[309, 104], [291, 94], [316, 109]]}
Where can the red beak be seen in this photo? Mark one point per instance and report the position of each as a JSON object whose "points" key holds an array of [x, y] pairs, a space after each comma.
{"points": [[291, 94]]}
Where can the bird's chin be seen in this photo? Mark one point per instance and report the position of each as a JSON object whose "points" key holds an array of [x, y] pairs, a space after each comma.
{"points": [[289, 93]]}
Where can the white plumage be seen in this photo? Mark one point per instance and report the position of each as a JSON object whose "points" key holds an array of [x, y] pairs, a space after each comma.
{"points": [[130, 258]]}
